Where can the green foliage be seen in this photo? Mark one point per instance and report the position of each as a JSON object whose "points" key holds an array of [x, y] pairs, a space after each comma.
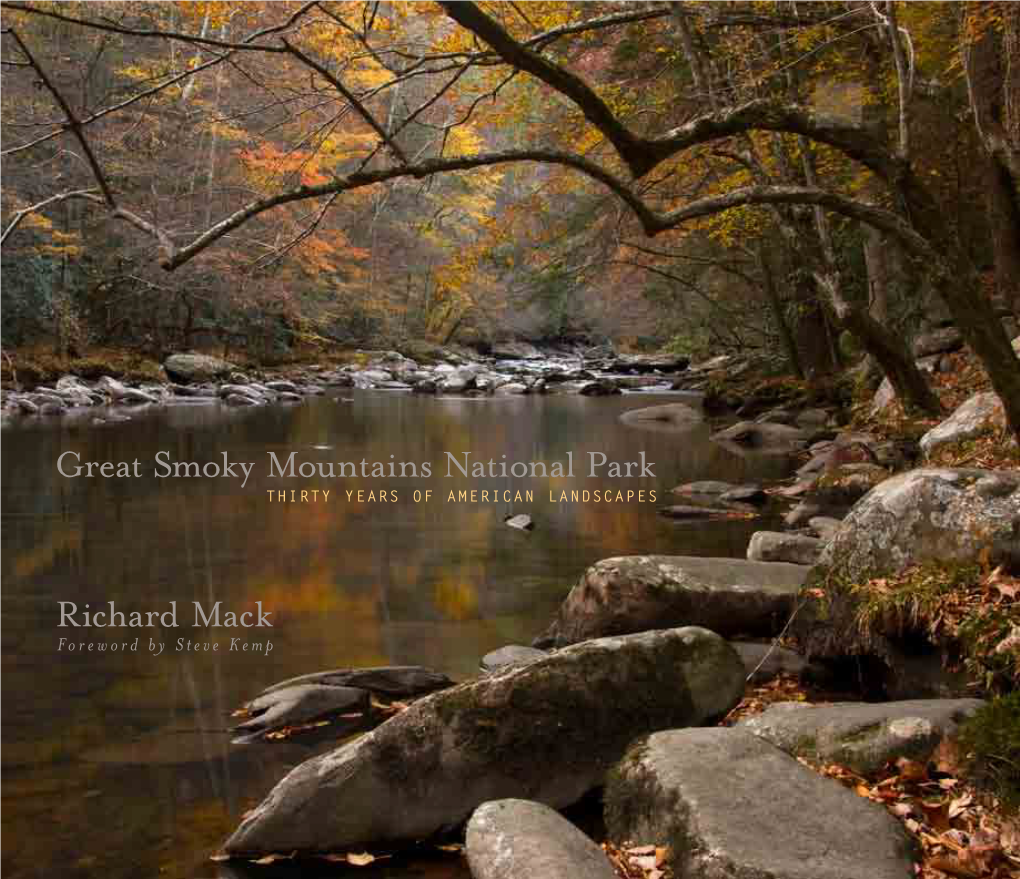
{"points": [[992, 741]]}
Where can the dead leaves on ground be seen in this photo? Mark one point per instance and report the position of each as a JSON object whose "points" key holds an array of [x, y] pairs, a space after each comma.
{"points": [[961, 833], [638, 861], [784, 688]]}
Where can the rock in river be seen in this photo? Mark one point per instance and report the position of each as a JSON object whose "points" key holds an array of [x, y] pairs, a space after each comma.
{"points": [[778, 546], [668, 418], [731, 806], [547, 731], [185, 368], [519, 839], [636, 593]]}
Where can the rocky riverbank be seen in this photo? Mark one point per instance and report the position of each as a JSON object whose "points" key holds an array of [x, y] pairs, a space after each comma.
{"points": [[650, 685], [198, 379]]}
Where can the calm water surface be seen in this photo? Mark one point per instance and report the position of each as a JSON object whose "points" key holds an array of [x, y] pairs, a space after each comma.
{"points": [[119, 764]]}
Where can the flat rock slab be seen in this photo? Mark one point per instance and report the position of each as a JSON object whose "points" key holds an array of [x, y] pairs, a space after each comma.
{"points": [[778, 546], [636, 593], [731, 806], [512, 654], [547, 731], [392, 680], [519, 839], [861, 735], [301, 704]]}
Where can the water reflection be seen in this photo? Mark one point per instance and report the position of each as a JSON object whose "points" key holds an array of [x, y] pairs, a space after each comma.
{"points": [[118, 762]]}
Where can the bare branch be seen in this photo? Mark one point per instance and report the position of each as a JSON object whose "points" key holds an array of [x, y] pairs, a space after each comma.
{"points": [[38, 206]]}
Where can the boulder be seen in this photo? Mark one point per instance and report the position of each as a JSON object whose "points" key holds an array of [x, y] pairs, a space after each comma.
{"points": [[455, 382], [135, 396], [779, 546], [636, 593], [187, 368], [976, 416], [669, 417], [938, 342], [767, 438], [924, 515], [300, 704], [520, 839], [863, 736], [547, 731], [111, 387], [512, 654], [731, 806]]}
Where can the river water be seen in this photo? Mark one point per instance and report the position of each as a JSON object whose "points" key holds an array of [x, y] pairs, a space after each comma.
{"points": [[119, 763]]}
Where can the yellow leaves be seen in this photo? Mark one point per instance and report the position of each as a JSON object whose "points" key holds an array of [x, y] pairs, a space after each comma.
{"points": [[463, 141]]}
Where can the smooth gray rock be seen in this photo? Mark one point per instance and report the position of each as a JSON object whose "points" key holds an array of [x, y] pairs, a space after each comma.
{"points": [[668, 418], [547, 731], [520, 839], [637, 593], [977, 415], [187, 368], [512, 654], [522, 522], [511, 389], [392, 680], [300, 704], [731, 806], [779, 546], [929, 514], [766, 438], [861, 735]]}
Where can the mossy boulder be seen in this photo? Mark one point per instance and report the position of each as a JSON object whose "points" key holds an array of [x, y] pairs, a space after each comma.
{"points": [[187, 368], [626, 594], [547, 731], [728, 805], [863, 736], [929, 514]]}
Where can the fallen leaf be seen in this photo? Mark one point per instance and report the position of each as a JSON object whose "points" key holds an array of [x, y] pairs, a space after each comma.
{"points": [[911, 770], [360, 859]]}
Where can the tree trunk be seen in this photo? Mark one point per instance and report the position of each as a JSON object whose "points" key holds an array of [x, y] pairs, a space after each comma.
{"points": [[785, 334]]}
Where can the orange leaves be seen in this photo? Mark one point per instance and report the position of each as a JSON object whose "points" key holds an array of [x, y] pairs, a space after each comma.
{"points": [[268, 164], [960, 833]]}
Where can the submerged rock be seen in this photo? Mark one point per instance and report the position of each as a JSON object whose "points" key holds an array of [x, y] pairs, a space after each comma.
{"points": [[519, 839], [668, 417], [547, 731], [767, 438], [731, 806], [861, 735], [636, 593]]}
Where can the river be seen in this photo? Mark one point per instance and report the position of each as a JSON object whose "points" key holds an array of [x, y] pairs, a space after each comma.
{"points": [[119, 763]]}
